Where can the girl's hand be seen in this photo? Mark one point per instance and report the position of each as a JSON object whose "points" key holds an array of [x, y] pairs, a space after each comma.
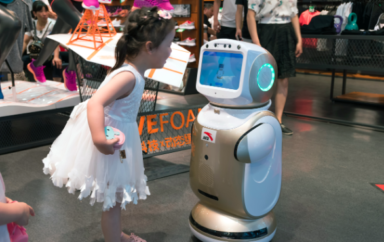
{"points": [[57, 62], [239, 35], [8, 200], [106, 146], [25, 211], [299, 49]]}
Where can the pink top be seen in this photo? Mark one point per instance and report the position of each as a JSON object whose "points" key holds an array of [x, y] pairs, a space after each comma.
{"points": [[4, 235]]}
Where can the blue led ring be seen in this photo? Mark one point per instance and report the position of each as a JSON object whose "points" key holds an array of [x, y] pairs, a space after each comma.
{"points": [[265, 89]]}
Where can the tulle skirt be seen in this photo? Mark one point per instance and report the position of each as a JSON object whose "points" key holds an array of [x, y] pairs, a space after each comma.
{"points": [[75, 162]]}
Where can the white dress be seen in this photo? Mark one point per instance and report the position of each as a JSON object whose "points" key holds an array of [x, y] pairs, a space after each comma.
{"points": [[74, 160]]}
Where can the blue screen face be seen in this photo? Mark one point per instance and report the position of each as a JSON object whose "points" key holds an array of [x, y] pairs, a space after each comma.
{"points": [[220, 69]]}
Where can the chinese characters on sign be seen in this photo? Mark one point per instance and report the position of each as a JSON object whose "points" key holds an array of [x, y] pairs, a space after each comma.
{"points": [[166, 131], [171, 142]]}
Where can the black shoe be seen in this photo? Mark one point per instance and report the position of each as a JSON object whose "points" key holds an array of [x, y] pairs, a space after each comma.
{"points": [[286, 130]]}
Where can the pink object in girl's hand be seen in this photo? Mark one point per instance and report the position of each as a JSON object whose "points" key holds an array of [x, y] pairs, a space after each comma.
{"points": [[16, 232], [111, 133]]}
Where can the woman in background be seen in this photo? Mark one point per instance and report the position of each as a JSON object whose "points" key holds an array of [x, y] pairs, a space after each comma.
{"points": [[278, 31]]}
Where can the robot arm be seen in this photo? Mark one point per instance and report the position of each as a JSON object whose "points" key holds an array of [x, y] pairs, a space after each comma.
{"points": [[255, 144]]}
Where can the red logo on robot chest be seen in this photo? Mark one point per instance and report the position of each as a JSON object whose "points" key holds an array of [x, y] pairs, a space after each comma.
{"points": [[208, 135]]}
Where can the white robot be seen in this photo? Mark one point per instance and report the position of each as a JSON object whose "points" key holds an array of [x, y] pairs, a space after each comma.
{"points": [[236, 145]]}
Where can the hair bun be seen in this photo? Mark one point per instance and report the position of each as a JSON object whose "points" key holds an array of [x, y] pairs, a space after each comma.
{"points": [[142, 25]]}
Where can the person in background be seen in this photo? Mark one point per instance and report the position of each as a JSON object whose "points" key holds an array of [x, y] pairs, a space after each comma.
{"points": [[51, 14], [242, 33], [68, 17], [208, 13], [44, 26], [226, 28], [278, 31]]}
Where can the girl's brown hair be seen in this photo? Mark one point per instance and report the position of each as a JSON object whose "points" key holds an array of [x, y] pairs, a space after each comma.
{"points": [[141, 26]]}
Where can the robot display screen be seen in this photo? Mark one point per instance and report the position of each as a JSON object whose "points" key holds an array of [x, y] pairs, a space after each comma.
{"points": [[221, 69]]}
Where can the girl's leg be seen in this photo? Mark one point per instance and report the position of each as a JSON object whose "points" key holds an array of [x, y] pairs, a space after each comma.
{"points": [[56, 72], [71, 61], [111, 224], [281, 97]]}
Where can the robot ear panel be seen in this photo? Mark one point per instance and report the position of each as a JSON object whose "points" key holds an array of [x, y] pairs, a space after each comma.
{"points": [[256, 144]]}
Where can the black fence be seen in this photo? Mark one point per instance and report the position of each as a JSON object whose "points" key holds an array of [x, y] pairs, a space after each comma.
{"points": [[343, 52]]}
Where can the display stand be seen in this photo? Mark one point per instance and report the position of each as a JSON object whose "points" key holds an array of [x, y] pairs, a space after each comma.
{"points": [[108, 30], [88, 30]]}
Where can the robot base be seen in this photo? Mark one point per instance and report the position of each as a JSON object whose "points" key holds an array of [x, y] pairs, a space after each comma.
{"points": [[210, 225]]}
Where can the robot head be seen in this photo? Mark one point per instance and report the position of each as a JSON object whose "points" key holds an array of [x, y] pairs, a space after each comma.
{"points": [[236, 74]]}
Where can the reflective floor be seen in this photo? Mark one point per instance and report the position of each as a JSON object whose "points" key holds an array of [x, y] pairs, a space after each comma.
{"points": [[310, 95], [326, 193]]}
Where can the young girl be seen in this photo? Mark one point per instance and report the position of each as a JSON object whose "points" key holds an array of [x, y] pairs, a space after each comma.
{"points": [[81, 157], [11, 212]]}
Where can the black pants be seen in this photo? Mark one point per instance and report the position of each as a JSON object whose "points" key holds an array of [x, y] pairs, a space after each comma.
{"points": [[227, 33]]}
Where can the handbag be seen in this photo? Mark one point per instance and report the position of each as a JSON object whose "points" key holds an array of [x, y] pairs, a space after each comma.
{"points": [[37, 44], [352, 25], [16, 232]]}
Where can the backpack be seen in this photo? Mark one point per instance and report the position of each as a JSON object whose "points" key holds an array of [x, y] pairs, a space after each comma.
{"points": [[37, 44]]}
